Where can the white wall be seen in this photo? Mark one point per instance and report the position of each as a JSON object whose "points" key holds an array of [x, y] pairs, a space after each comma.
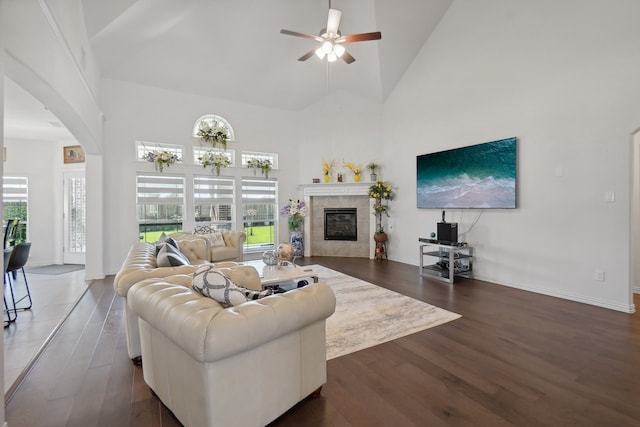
{"points": [[2, 61], [562, 77], [340, 128], [43, 44], [134, 112], [43, 51], [41, 162]]}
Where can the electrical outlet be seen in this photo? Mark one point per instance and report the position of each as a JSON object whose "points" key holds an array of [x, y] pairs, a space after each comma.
{"points": [[599, 276]]}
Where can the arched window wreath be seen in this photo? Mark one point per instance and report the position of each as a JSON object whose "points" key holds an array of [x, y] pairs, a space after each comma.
{"points": [[214, 130]]}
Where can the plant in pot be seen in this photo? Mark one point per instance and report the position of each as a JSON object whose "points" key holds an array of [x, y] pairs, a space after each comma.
{"points": [[373, 169], [381, 192]]}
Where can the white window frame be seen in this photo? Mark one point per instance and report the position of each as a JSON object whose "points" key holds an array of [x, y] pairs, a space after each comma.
{"points": [[169, 191], [144, 147], [200, 151], [16, 189], [214, 190], [246, 156], [256, 191], [214, 120]]}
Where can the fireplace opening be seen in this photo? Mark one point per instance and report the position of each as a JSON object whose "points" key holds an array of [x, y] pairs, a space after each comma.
{"points": [[341, 224]]}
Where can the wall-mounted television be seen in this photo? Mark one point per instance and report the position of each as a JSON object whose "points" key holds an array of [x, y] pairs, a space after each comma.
{"points": [[481, 176]]}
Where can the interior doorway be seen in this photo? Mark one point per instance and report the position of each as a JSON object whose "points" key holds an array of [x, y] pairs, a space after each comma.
{"points": [[75, 218]]}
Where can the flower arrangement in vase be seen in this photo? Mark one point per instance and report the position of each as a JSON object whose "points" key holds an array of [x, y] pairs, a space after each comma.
{"points": [[160, 159], [213, 134], [216, 160], [326, 170], [355, 169], [295, 210]]}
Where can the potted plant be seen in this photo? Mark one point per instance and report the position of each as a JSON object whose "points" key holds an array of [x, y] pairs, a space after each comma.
{"points": [[373, 168], [380, 191]]}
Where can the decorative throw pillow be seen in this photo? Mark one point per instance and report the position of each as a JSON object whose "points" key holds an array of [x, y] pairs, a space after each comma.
{"points": [[210, 282], [168, 256], [203, 229], [166, 240], [216, 239]]}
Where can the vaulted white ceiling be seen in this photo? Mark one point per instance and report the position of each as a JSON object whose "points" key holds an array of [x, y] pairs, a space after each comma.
{"points": [[233, 49]]}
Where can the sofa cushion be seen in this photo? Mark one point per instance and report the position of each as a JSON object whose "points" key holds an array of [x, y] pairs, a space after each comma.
{"points": [[216, 240], [168, 256], [213, 283]]}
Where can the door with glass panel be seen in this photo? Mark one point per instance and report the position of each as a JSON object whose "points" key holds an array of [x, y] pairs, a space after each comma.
{"points": [[75, 218]]}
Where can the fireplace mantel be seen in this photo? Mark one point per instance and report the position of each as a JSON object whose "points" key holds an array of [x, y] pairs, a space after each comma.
{"points": [[336, 189], [309, 191]]}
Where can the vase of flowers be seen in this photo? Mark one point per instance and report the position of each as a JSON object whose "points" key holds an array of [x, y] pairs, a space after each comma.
{"points": [[295, 211], [213, 134], [215, 160], [160, 159], [355, 169], [326, 170]]}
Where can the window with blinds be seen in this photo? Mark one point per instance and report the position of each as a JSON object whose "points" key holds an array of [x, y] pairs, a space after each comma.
{"points": [[15, 199], [214, 201], [160, 204], [259, 211]]}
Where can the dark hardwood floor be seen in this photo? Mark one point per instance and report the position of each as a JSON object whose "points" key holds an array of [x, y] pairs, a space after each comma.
{"points": [[514, 358]]}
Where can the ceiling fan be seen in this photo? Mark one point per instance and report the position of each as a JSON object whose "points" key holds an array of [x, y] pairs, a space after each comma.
{"points": [[331, 40]]}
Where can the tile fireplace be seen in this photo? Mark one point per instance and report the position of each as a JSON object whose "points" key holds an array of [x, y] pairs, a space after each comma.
{"points": [[352, 223]]}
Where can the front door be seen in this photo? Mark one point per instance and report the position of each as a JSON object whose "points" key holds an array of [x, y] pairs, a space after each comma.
{"points": [[75, 219]]}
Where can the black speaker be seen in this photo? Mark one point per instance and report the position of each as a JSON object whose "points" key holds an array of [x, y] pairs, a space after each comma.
{"points": [[448, 231]]}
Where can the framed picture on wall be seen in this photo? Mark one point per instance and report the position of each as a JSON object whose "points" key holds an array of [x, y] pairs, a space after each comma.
{"points": [[73, 154]]}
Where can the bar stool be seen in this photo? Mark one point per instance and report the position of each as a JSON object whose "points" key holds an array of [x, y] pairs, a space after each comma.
{"points": [[9, 311], [17, 260]]}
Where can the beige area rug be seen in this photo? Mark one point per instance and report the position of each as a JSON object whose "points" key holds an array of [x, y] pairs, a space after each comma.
{"points": [[368, 315]]}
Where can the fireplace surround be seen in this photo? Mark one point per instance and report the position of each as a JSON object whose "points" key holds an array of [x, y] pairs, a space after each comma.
{"points": [[317, 197]]}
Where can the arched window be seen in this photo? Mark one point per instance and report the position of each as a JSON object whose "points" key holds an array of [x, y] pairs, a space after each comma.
{"points": [[213, 121]]}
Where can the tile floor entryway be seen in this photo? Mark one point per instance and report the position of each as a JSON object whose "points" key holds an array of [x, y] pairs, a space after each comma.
{"points": [[53, 296]]}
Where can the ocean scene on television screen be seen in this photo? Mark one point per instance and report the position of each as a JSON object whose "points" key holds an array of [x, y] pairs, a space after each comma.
{"points": [[481, 176]]}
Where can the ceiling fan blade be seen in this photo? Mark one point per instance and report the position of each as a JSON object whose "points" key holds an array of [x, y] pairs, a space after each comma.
{"points": [[377, 35], [346, 57], [307, 55], [333, 21], [306, 36]]}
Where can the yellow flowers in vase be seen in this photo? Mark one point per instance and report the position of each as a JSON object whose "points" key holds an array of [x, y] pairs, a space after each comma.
{"points": [[326, 170], [355, 169]]}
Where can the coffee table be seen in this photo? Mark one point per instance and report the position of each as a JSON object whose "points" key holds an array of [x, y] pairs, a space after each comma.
{"points": [[273, 276]]}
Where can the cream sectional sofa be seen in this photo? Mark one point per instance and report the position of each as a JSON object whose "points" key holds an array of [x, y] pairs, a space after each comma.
{"points": [[140, 264], [231, 251], [238, 366]]}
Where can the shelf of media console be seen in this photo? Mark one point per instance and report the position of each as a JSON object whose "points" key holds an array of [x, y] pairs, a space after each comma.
{"points": [[454, 260]]}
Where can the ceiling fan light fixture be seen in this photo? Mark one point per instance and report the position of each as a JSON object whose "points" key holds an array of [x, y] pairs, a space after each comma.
{"points": [[338, 50], [320, 53], [327, 47], [331, 57]]}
